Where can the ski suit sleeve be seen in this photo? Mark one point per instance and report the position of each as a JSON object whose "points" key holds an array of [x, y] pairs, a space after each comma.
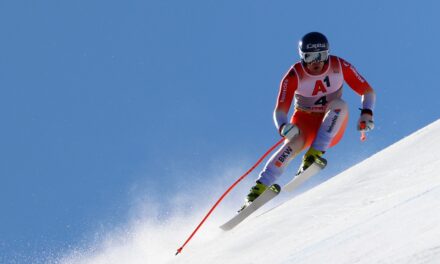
{"points": [[288, 86], [359, 85]]}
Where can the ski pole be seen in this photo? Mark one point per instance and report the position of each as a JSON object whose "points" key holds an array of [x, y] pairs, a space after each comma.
{"points": [[363, 135], [227, 191]]}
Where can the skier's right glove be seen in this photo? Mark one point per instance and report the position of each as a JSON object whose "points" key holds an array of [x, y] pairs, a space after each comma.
{"points": [[365, 122], [289, 131]]}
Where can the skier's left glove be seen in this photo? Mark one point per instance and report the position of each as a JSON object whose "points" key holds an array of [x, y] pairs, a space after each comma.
{"points": [[365, 122]]}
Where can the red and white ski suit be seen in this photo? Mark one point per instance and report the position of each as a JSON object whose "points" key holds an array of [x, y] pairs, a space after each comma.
{"points": [[320, 113]]}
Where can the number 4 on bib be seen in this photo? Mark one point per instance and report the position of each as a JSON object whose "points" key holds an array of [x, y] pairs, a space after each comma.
{"points": [[321, 101]]}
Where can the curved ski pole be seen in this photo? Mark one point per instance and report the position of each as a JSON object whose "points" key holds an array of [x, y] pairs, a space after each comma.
{"points": [[227, 191]]}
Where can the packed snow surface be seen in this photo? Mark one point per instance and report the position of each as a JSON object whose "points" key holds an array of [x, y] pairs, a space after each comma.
{"points": [[386, 209]]}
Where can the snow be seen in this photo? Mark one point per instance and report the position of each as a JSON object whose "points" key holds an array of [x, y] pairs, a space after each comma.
{"points": [[386, 209]]}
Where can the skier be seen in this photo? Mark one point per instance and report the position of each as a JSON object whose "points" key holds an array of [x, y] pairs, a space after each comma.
{"points": [[320, 115]]}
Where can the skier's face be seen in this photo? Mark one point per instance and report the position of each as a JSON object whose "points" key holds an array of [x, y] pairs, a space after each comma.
{"points": [[315, 67]]}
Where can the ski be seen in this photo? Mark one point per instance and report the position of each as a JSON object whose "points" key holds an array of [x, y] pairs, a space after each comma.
{"points": [[300, 178], [273, 191], [265, 197]]}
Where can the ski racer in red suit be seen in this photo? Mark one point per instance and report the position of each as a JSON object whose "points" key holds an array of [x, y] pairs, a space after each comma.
{"points": [[320, 114]]}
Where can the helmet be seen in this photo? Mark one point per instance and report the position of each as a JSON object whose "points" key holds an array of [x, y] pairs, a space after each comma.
{"points": [[313, 47]]}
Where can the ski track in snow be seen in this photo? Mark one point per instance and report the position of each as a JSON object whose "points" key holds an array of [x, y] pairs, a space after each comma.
{"points": [[385, 210]]}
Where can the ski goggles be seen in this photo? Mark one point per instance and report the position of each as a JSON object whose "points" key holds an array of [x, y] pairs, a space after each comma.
{"points": [[319, 56]]}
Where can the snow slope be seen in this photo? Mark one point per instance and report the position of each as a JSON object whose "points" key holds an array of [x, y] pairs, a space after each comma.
{"points": [[383, 210]]}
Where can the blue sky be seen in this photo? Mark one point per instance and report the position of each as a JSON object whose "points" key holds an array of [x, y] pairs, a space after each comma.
{"points": [[105, 103]]}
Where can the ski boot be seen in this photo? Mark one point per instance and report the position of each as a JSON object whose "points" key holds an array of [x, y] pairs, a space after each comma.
{"points": [[312, 155], [255, 191]]}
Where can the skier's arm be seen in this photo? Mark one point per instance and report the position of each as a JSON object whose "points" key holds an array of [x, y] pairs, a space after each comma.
{"points": [[359, 85], [287, 90]]}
